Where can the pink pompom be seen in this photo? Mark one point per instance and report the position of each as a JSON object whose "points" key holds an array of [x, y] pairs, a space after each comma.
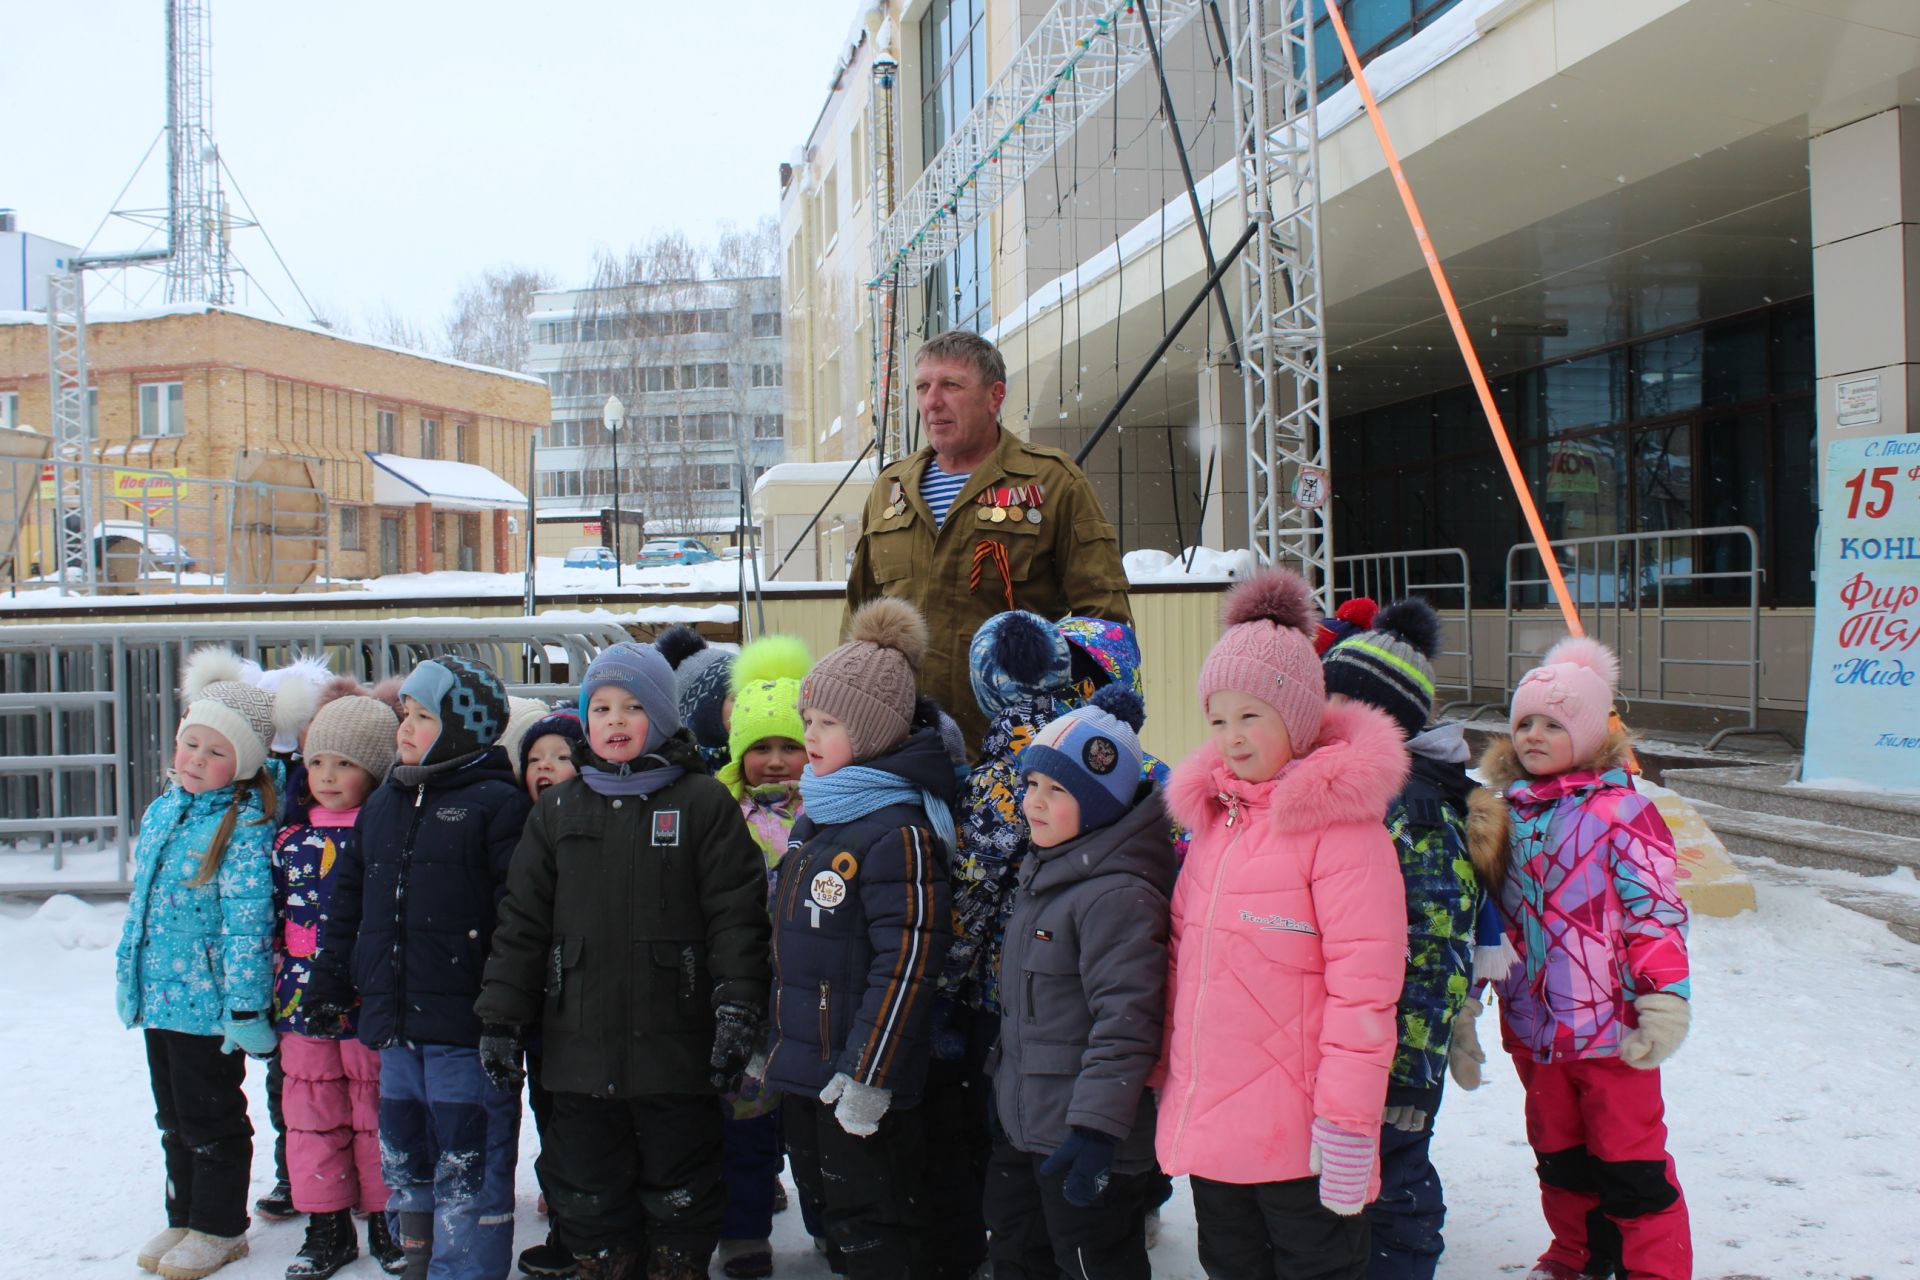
{"points": [[1279, 596], [1583, 651]]}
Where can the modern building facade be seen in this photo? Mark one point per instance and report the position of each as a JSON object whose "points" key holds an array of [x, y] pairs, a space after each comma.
{"points": [[697, 368], [1682, 233], [407, 455]]}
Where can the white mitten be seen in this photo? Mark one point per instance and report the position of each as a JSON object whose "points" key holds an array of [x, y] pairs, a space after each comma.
{"points": [[858, 1107], [1464, 1054], [1663, 1025]]}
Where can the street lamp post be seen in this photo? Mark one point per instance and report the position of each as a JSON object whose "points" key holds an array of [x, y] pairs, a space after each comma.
{"points": [[614, 413]]}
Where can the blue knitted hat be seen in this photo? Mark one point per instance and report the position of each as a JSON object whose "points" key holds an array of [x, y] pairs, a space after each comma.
{"points": [[469, 699], [1094, 753], [641, 671], [1014, 655]]}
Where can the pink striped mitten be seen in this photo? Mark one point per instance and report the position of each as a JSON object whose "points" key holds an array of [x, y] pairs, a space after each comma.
{"points": [[1344, 1162]]}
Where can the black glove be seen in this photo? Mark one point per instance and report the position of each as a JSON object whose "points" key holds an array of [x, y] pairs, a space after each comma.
{"points": [[736, 1036], [327, 1020], [1086, 1156], [500, 1050]]}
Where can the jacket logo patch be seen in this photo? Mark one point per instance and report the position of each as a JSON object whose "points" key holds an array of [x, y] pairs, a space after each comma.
{"points": [[450, 813], [666, 829], [1100, 755], [1043, 935], [828, 890], [846, 864], [1279, 924]]}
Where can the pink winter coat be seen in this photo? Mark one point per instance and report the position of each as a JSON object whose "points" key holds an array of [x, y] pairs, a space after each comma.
{"points": [[1289, 945]]}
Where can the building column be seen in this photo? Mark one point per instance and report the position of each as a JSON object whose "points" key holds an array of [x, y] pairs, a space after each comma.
{"points": [[502, 542], [1866, 275], [422, 537], [1223, 441]]}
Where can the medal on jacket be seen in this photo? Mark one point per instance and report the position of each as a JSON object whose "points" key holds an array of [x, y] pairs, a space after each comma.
{"points": [[896, 501], [1036, 494]]}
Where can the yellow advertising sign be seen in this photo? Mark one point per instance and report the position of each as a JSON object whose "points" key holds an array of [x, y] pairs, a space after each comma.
{"points": [[149, 488]]}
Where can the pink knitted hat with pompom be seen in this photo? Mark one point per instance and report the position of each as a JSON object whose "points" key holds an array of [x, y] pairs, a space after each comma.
{"points": [[1573, 685], [1266, 651]]}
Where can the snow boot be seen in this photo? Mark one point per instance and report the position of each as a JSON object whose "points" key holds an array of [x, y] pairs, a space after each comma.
{"points": [[277, 1204], [413, 1232], [199, 1254], [617, 1263], [551, 1259], [382, 1247], [1151, 1228], [665, 1262], [746, 1259], [779, 1196], [330, 1245], [155, 1249]]}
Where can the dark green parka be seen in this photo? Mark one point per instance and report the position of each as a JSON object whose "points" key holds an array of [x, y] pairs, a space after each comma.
{"points": [[627, 921]]}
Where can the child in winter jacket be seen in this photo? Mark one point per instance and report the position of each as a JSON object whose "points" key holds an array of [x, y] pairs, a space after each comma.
{"points": [[702, 680], [1583, 868], [860, 928], [1391, 668], [194, 968], [765, 757], [633, 938], [408, 930], [331, 1095], [1083, 1005], [1289, 938]]}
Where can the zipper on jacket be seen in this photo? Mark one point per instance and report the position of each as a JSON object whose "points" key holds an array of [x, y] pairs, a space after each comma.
{"points": [[146, 905], [1206, 957], [826, 1020], [1029, 977], [782, 909], [401, 879]]}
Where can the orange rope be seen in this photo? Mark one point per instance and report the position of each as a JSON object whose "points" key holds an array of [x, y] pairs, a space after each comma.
{"points": [[1518, 479], [989, 549]]}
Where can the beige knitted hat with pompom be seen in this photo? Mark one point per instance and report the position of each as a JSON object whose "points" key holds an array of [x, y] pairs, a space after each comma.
{"points": [[869, 683]]}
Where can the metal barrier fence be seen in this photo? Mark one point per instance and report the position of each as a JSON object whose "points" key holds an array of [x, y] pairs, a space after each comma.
{"points": [[1443, 578], [87, 715], [1629, 589], [150, 530]]}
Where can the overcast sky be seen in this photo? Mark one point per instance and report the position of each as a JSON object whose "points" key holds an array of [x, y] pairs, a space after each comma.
{"points": [[394, 147]]}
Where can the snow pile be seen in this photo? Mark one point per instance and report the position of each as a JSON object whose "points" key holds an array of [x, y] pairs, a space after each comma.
{"points": [[71, 924], [1208, 565]]}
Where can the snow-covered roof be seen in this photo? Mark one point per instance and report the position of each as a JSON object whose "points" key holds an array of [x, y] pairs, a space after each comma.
{"points": [[817, 473], [95, 318], [446, 486]]}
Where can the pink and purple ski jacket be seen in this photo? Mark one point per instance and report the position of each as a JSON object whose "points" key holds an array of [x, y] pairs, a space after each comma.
{"points": [[1590, 906]]}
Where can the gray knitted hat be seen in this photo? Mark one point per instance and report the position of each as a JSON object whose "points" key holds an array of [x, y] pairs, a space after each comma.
{"points": [[869, 683], [219, 697], [359, 730]]}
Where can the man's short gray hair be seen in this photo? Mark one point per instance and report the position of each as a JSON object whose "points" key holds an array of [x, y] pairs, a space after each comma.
{"points": [[969, 348]]}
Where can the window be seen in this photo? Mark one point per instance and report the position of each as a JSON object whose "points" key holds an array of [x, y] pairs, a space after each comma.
{"points": [[960, 288], [9, 408], [661, 377], [463, 442], [953, 69], [1375, 25], [160, 411], [430, 439], [439, 533], [766, 324], [766, 375], [350, 529], [769, 426], [386, 432], [561, 435], [669, 428], [704, 377]]}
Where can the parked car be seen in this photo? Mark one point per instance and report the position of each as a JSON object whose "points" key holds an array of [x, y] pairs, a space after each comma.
{"points": [[160, 553], [660, 552], [589, 558]]}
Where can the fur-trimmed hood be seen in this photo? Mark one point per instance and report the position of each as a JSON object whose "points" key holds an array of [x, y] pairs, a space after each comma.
{"points": [[1488, 819], [1352, 774]]}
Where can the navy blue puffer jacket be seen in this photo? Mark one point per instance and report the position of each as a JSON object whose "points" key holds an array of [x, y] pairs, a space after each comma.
{"points": [[414, 905]]}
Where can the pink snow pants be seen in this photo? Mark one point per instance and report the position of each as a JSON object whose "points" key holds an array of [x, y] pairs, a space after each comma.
{"points": [[1598, 1130], [332, 1104]]}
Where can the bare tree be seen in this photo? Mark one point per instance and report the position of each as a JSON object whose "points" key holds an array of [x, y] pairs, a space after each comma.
{"points": [[329, 315], [748, 251], [389, 328], [488, 323]]}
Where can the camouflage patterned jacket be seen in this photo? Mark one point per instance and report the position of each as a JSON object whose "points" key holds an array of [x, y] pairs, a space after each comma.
{"points": [[1428, 822]]}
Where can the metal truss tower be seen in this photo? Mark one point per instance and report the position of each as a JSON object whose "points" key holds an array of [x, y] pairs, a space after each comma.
{"points": [[198, 270], [72, 440], [1284, 347], [886, 299]]}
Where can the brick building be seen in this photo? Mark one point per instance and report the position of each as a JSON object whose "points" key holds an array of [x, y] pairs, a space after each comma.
{"points": [[422, 460]]}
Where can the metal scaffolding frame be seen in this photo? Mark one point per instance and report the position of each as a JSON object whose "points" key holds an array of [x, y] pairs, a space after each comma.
{"points": [[1284, 351], [885, 299], [198, 270], [72, 438]]}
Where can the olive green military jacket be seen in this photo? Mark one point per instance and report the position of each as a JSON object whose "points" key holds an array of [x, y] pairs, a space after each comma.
{"points": [[1052, 551]]}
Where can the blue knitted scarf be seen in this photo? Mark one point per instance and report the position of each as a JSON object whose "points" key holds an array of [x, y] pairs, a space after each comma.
{"points": [[857, 790]]}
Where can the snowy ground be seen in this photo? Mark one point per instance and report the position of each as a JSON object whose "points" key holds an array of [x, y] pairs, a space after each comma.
{"points": [[1790, 1108]]}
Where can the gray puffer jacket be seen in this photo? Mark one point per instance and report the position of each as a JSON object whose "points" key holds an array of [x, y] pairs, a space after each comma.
{"points": [[1083, 981]]}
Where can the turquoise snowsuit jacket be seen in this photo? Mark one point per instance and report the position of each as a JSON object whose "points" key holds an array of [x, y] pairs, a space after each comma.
{"points": [[191, 954]]}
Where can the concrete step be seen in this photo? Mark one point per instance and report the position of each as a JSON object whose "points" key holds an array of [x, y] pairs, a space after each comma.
{"points": [[1802, 843], [1900, 912], [1770, 789]]}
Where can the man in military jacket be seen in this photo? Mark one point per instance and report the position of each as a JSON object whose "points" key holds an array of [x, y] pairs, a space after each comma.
{"points": [[980, 521]]}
